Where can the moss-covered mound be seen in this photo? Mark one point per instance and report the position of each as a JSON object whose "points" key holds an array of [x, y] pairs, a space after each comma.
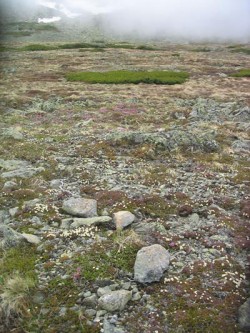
{"points": [[117, 77]]}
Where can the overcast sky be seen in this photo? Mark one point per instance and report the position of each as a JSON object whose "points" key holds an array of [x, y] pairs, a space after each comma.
{"points": [[193, 19]]}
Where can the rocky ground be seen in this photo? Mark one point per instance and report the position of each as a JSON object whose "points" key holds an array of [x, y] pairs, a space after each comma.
{"points": [[175, 158]]}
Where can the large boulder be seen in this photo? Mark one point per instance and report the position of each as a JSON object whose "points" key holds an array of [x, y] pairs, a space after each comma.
{"points": [[150, 264], [80, 207]]}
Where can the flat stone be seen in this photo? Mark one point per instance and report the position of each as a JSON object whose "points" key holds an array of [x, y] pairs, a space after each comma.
{"points": [[10, 165], [32, 239], [115, 300], [91, 221], [80, 207], [123, 218], [22, 173], [150, 264]]}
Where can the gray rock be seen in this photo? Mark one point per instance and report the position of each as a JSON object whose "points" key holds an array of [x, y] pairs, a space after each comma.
{"points": [[13, 211], [90, 302], [123, 218], [66, 223], [10, 165], [150, 263], [4, 217], [107, 326], [91, 221], [22, 173], [103, 291], [12, 132], [86, 294], [171, 140], [9, 237], [9, 185], [90, 313], [80, 207], [241, 145], [62, 311], [100, 313], [136, 297], [115, 300], [32, 239], [194, 218], [56, 184], [244, 316]]}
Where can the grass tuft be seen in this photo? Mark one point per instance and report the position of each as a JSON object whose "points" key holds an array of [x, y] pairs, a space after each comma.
{"points": [[15, 298], [121, 77]]}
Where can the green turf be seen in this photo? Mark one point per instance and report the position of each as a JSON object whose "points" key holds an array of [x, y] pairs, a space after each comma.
{"points": [[118, 77], [241, 50], [38, 47], [242, 73]]}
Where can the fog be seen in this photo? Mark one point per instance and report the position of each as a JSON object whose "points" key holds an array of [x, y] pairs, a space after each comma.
{"points": [[217, 20]]}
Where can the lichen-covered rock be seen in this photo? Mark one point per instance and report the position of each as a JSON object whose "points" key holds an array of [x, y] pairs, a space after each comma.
{"points": [[123, 218], [115, 300], [32, 239], [9, 237], [13, 164], [91, 221], [22, 173], [191, 139], [244, 316], [151, 262], [80, 207]]}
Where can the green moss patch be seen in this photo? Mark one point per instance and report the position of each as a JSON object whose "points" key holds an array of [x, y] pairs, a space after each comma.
{"points": [[20, 259], [241, 50], [242, 73], [38, 47], [121, 77]]}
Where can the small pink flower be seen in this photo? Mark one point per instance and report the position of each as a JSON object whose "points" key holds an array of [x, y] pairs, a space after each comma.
{"points": [[77, 275]]}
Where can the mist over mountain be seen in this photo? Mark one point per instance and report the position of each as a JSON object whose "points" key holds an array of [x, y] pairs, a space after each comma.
{"points": [[214, 20]]}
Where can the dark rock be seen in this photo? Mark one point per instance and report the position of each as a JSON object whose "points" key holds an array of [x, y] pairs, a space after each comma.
{"points": [[185, 210]]}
